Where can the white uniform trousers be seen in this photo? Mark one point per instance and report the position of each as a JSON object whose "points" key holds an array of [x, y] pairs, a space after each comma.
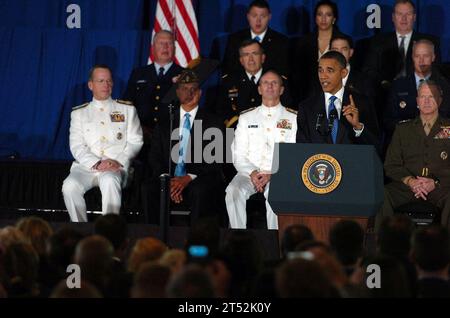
{"points": [[81, 180], [237, 194]]}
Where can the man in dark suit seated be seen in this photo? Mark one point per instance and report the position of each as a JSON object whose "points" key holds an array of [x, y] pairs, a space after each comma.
{"points": [[355, 79], [390, 53], [196, 180], [275, 44], [336, 115], [239, 90], [417, 159], [148, 85], [402, 98]]}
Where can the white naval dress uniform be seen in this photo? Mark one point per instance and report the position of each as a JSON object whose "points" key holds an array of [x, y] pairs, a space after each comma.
{"points": [[100, 130], [257, 132]]}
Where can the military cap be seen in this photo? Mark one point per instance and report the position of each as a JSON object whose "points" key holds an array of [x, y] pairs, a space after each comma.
{"points": [[187, 77]]}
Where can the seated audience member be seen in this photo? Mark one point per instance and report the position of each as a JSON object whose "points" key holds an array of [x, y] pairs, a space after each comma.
{"points": [[310, 48], [191, 282], [431, 254], [293, 236], [151, 281], [275, 44], [195, 183], [301, 278], [402, 98], [347, 242], [239, 90], [145, 250], [394, 240], [336, 115], [257, 132], [417, 158], [105, 136]]}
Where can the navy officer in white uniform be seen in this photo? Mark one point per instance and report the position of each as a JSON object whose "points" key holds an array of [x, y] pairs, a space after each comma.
{"points": [[258, 130], [105, 135]]}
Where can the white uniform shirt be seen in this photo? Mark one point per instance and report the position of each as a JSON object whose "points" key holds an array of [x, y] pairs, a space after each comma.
{"points": [[256, 134], [104, 130]]}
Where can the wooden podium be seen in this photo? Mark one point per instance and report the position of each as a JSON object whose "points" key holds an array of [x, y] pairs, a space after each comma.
{"points": [[318, 185]]}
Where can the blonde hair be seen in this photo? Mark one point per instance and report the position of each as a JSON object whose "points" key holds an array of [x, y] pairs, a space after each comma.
{"points": [[37, 231], [145, 249]]}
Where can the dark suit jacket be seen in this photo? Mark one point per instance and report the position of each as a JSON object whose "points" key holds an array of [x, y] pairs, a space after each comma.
{"points": [[146, 92], [238, 93], [308, 115], [383, 61], [305, 81], [402, 104], [159, 152], [275, 44], [360, 83]]}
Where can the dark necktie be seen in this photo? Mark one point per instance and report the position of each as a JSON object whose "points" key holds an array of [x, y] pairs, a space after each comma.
{"points": [[402, 51], [253, 79], [257, 38], [332, 109], [161, 72]]}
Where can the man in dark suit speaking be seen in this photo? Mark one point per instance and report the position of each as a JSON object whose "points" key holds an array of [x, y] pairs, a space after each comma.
{"points": [[336, 115]]}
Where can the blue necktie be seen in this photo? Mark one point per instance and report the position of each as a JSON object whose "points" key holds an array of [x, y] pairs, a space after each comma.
{"points": [[161, 72], [180, 169], [331, 108], [257, 38]]}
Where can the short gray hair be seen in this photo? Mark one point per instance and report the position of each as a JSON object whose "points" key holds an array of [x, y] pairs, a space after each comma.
{"points": [[431, 83], [163, 32], [423, 41]]}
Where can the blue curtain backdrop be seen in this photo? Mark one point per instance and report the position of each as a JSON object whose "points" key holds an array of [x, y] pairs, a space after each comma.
{"points": [[44, 65]]}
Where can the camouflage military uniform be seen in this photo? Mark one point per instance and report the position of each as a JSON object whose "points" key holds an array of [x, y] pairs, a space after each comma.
{"points": [[413, 153]]}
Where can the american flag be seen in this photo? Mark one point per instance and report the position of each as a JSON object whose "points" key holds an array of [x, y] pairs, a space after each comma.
{"points": [[178, 16]]}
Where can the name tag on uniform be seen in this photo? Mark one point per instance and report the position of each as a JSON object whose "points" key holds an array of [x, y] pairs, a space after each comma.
{"points": [[284, 124], [252, 126], [117, 117], [444, 133]]}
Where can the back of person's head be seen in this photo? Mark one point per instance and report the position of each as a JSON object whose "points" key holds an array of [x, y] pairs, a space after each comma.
{"points": [[293, 236], [303, 278], [37, 231], [175, 259], [205, 232], [86, 290], [144, 250], [20, 265], [10, 234], [151, 281], [347, 241], [191, 282], [394, 236], [94, 254], [431, 248], [113, 227], [393, 278], [61, 247]]}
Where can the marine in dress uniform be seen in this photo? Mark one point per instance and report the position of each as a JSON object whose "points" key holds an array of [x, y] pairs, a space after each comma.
{"points": [[257, 132], [418, 162], [105, 135]]}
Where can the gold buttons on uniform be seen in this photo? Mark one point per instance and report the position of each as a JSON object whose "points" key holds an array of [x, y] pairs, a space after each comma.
{"points": [[268, 129], [101, 109], [157, 97], [102, 152], [103, 138], [155, 119], [156, 108], [252, 100], [158, 87], [102, 122]]}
